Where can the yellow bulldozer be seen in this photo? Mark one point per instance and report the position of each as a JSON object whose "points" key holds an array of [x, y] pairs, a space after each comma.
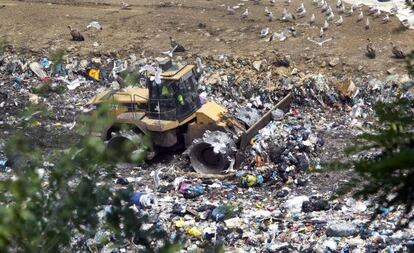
{"points": [[169, 114]]}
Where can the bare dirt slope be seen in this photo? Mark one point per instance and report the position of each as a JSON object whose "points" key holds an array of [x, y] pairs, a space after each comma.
{"points": [[145, 28]]}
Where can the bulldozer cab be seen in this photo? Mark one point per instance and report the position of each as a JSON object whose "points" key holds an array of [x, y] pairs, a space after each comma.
{"points": [[176, 97]]}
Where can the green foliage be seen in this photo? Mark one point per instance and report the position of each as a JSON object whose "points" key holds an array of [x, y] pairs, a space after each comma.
{"points": [[385, 163], [45, 89], [57, 57], [56, 200]]}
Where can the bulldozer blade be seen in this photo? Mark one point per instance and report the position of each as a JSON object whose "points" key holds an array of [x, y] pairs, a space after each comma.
{"points": [[254, 129]]}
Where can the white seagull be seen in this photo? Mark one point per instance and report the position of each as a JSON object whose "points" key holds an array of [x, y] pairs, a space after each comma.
{"points": [[360, 16], [302, 13], [264, 32], [267, 12], [367, 24], [325, 25], [351, 11], [300, 8], [339, 21], [270, 17], [312, 19], [279, 36], [230, 10], [245, 14], [386, 19]]}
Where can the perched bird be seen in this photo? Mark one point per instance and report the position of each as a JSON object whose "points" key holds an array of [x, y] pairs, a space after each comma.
{"points": [[300, 8], [272, 2], [341, 9], [264, 32], [178, 47], [351, 11], [398, 53], [293, 31], [287, 2], [339, 21], [322, 4], [360, 16], [200, 66], [324, 7], [330, 17], [312, 19], [321, 32], [328, 11], [339, 4], [124, 6], [370, 53], [367, 24], [372, 9], [279, 36], [284, 12], [230, 10], [76, 35], [302, 13], [267, 12], [270, 17], [325, 25], [288, 17], [377, 14], [394, 9], [245, 14], [386, 19]]}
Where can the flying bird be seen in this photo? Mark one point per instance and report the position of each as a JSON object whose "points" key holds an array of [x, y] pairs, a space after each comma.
{"points": [[319, 43], [76, 35], [398, 53]]}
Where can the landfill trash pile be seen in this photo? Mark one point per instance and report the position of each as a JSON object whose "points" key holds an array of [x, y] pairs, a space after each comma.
{"points": [[272, 204]]}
